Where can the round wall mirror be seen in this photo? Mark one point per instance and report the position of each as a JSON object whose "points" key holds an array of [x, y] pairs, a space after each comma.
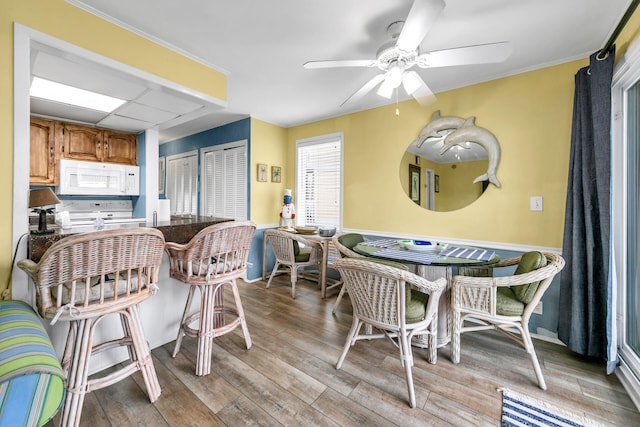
{"points": [[450, 164]]}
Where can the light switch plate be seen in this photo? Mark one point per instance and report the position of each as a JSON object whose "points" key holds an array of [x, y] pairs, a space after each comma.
{"points": [[536, 203]]}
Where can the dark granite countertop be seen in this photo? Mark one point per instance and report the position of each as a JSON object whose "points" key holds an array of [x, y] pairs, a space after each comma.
{"points": [[179, 229]]}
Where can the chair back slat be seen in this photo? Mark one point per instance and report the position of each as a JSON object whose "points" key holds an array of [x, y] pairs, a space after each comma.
{"points": [[374, 297], [80, 273], [284, 246], [220, 251], [281, 243], [378, 292]]}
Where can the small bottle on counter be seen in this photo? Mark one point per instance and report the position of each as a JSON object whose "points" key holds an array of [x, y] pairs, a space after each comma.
{"points": [[99, 223], [155, 218]]}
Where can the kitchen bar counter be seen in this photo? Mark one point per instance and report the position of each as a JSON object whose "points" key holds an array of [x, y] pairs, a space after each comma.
{"points": [[179, 229]]}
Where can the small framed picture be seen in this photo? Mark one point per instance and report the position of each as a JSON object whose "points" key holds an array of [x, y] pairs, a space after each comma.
{"points": [[414, 183], [436, 183], [262, 172], [276, 174]]}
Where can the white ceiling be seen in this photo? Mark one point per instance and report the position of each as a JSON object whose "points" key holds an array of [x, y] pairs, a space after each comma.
{"points": [[262, 45]]}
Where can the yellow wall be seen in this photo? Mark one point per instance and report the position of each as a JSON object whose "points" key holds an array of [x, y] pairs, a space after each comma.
{"points": [[63, 21], [268, 146], [530, 114]]}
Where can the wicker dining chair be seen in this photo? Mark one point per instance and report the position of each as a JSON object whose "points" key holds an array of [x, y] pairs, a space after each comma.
{"points": [[344, 244], [213, 258], [400, 304], [83, 278], [504, 303], [292, 252]]}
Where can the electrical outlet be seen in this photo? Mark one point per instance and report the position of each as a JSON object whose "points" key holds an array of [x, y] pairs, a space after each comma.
{"points": [[535, 203], [538, 309]]}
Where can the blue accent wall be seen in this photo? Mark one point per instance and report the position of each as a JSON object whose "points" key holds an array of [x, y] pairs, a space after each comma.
{"points": [[231, 132]]}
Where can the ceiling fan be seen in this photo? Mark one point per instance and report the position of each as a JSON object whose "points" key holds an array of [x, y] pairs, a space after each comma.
{"points": [[396, 57]]}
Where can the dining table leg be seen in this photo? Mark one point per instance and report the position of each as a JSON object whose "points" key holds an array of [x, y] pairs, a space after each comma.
{"points": [[432, 272]]}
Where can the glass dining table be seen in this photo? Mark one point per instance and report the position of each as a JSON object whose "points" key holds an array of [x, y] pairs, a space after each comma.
{"points": [[433, 261]]}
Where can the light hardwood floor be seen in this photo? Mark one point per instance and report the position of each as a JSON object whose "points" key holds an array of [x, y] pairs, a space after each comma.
{"points": [[289, 378]]}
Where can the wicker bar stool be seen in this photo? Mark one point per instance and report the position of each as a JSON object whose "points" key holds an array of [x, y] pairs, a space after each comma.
{"points": [[85, 277], [214, 257]]}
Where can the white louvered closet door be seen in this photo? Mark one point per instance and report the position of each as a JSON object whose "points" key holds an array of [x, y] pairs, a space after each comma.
{"points": [[225, 181], [182, 183]]}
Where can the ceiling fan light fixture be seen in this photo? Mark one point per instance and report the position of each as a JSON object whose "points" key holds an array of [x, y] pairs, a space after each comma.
{"points": [[411, 82], [395, 75], [386, 89]]}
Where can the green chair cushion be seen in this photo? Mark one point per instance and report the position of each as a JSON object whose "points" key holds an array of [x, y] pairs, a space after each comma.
{"points": [[529, 261], [350, 239], [296, 249], [507, 304], [302, 254], [415, 306]]}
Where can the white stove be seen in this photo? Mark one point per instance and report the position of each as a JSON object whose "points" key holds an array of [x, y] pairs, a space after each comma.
{"points": [[83, 213]]}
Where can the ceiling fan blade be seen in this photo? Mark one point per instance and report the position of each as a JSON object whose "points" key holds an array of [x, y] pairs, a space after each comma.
{"points": [[341, 63], [421, 18], [368, 86], [479, 54], [422, 93]]}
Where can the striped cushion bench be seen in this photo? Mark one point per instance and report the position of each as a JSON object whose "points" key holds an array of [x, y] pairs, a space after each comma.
{"points": [[32, 384]]}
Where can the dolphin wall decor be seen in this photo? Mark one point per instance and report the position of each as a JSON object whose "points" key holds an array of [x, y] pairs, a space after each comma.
{"points": [[439, 127], [469, 132]]}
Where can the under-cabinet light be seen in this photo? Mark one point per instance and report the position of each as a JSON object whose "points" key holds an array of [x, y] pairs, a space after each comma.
{"points": [[46, 89]]}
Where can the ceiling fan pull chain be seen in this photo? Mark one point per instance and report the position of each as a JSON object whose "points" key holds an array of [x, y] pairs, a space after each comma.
{"points": [[397, 107]]}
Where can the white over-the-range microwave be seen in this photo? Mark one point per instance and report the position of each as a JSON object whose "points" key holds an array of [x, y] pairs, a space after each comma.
{"points": [[98, 179]]}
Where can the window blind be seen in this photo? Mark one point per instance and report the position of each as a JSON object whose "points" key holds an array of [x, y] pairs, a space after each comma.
{"points": [[319, 182]]}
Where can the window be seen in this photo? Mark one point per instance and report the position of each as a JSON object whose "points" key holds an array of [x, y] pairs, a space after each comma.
{"points": [[319, 181], [224, 180], [625, 214], [182, 183]]}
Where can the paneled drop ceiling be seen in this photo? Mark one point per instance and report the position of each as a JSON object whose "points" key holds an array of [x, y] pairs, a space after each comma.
{"points": [[148, 104]]}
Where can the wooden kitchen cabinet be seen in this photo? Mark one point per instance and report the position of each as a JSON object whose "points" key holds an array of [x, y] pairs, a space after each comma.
{"points": [[98, 145], [54, 140], [81, 143], [43, 166], [120, 147]]}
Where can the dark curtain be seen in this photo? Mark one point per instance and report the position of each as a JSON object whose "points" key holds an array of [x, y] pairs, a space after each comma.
{"points": [[584, 304]]}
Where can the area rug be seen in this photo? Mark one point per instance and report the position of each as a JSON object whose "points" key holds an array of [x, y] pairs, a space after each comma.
{"points": [[521, 410]]}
